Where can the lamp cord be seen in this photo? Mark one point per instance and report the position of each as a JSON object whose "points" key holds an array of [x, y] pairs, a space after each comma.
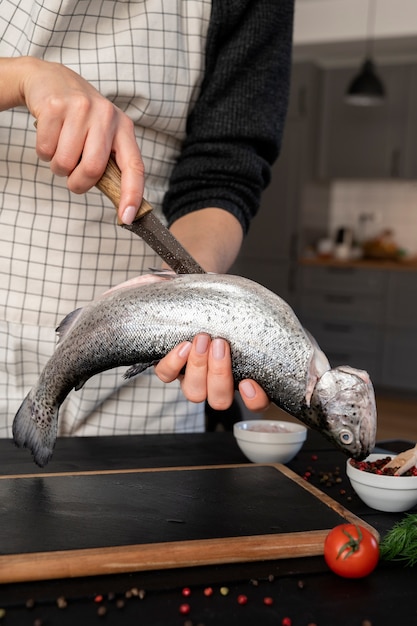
{"points": [[370, 27]]}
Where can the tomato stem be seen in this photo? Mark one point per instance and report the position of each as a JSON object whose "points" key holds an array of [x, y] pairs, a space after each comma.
{"points": [[352, 545]]}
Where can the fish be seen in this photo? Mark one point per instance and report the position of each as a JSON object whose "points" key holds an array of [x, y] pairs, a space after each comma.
{"points": [[138, 322]]}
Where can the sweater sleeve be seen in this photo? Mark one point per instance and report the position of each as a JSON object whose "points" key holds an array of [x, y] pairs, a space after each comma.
{"points": [[234, 130]]}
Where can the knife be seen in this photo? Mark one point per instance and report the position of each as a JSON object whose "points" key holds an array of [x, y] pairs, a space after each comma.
{"points": [[148, 226]]}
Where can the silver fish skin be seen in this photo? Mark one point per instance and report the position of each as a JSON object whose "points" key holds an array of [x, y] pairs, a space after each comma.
{"points": [[139, 322]]}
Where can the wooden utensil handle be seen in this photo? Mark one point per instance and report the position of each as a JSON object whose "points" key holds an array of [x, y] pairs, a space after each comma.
{"points": [[109, 184]]}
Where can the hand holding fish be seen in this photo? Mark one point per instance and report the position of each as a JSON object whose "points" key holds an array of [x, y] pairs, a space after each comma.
{"points": [[208, 374], [74, 119]]}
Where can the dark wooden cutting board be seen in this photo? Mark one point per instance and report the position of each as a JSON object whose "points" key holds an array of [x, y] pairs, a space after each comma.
{"points": [[87, 523]]}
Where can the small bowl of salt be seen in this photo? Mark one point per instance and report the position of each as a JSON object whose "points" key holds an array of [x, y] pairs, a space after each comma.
{"points": [[269, 441]]}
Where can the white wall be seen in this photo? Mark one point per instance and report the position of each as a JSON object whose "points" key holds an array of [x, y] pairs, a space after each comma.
{"points": [[391, 205], [328, 21]]}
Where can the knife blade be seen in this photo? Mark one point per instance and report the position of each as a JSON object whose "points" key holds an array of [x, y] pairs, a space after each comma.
{"points": [[147, 226]]}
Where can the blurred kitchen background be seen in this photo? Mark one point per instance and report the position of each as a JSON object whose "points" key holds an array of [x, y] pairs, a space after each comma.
{"points": [[336, 235]]}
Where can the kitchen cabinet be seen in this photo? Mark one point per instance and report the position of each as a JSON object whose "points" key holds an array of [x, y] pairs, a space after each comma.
{"points": [[364, 318], [269, 251], [399, 368], [368, 142], [411, 144], [343, 308]]}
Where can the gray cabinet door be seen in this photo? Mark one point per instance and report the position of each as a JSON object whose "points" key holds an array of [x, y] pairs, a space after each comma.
{"points": [[343, 308], [402, 300], [399, 368], [366, 142], [399, 365], [411, 140]]}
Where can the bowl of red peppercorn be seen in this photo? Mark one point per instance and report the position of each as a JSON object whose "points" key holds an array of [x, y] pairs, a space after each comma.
{"points": [[380, 489], [269, 441]]}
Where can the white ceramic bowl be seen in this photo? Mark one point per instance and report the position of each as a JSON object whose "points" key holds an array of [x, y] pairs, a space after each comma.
{"points": [[383, 493], [269, 441]]}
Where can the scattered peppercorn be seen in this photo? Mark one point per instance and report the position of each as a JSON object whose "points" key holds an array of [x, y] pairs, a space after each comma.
{"points": [[120, 603], [30, 603], [61, 602], [186, 592], [208, 591], [271, 578], [268, 601], [38, 622], [286, 621], [242, 599], [300, 584], [101, 611], [184, 609], [224, 591], [2, 613], [98, 599]]}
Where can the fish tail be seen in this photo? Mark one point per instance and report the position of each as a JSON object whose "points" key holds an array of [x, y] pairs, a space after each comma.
{"points": [[38, 436]]}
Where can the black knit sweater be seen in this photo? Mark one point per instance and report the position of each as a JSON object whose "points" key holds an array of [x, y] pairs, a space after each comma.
{"points": [[234, 131]]}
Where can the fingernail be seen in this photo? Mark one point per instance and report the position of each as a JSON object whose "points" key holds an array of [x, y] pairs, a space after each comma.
{"points": [[247, 388], [218, 349], [202, 343], [129, 214], [185, 349]]}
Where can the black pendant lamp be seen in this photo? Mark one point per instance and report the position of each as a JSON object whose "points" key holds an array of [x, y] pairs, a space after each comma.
{"points": [[366, 88]]}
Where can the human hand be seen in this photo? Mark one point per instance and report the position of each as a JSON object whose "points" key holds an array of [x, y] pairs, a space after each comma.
{"points": [[74, 120], [208, 374]]}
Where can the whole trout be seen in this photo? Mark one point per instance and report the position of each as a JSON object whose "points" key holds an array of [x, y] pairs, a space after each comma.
{"points": [[140, 321]]}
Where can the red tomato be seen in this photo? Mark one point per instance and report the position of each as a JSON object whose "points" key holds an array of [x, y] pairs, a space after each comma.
{"points": [[351, 551]]}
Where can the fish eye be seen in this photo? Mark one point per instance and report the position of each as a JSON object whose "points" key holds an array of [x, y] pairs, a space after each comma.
{"points": [[346, 436]]}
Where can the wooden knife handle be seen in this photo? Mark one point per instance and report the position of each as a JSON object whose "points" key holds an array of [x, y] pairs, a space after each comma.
{"points": [[109, 184]]}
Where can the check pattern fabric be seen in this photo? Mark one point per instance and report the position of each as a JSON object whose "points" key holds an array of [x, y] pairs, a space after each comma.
{"points": [[58, 251]]}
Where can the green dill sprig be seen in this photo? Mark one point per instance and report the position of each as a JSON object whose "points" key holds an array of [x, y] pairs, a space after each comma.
{"points": [[400, 543]]}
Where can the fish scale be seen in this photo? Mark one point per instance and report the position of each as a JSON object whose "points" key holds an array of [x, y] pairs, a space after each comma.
{"points": [[139, 323]]}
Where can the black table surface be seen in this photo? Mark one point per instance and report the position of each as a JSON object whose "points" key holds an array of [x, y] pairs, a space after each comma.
{"points": [[302, 590]]}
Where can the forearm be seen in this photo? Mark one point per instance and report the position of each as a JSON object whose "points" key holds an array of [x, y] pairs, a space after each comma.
{"points": [[234, 129], [212, 236]]}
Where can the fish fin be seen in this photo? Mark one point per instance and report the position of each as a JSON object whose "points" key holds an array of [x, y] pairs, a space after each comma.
{"points": [[29, 433], [137, 281], [67, 323], [163, 273], [138, 368]]}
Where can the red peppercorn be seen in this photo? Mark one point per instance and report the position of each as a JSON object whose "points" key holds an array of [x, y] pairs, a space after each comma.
{"points": [[186, 592], [184, 609], [242, 599], [208, 591], [268, 601], [314, 457], [286, 621], [98, 598]]}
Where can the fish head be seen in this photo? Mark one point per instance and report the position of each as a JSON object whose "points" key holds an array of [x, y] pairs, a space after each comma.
{"points": [[344, 401]]}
